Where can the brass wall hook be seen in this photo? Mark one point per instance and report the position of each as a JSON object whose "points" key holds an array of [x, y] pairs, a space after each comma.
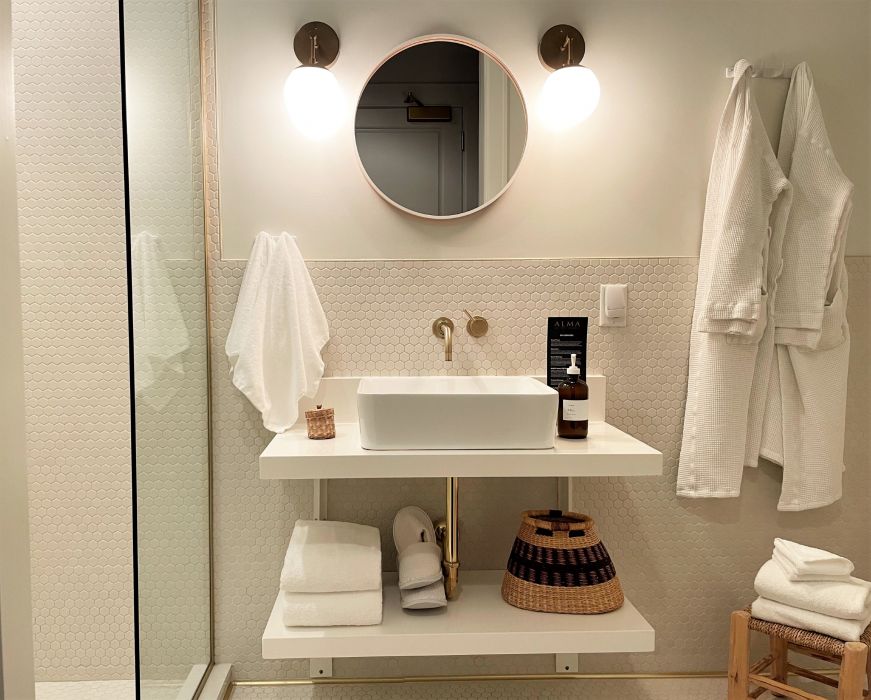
{"points": [[476, 326]]}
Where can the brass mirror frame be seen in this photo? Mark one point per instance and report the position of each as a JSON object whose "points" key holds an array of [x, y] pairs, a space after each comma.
{"points": [[454, 39]]}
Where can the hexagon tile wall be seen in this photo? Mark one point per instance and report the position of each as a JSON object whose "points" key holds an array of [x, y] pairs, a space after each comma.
{"points": [[74, 293], [685, 564]]}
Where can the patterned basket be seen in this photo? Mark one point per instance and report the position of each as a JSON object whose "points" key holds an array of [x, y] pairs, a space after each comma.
{"points": [[558, 564], [321, 423]]}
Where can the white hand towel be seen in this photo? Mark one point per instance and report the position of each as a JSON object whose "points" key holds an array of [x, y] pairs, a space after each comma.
{"points": [[351, 608], [326, 556], [279, 329], [803, 563], [846, 630], [846, 600], [160, 336]]}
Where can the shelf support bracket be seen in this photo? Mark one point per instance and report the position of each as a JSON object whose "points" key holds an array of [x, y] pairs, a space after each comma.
{"points": [[320, 668], [566, 663]]}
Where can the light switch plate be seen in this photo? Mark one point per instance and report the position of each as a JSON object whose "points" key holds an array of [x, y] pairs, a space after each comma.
{"points": [[617, 293]]}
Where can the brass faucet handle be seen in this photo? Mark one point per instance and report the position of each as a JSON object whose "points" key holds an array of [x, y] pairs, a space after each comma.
{"points": [[476, 326]]}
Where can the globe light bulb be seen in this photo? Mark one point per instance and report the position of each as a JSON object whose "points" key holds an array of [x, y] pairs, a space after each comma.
{"points": [[569, 96], [313, 101]]}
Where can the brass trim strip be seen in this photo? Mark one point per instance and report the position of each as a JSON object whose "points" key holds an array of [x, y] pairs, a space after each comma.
{"points": [[394, 680], [204, 7]]}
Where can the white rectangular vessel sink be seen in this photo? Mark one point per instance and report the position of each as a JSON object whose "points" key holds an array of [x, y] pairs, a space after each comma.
{"points": [[456, 413]]}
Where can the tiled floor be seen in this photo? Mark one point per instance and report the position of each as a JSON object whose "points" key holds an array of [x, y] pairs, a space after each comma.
{"points": [[658, 689]]}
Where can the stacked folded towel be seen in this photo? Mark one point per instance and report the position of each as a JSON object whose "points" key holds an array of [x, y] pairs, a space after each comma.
{"points": [[331, 575], [812, 589]]}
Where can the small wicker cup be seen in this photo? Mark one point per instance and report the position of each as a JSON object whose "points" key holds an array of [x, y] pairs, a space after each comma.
{"points": [[558, 564], [321, 423]]}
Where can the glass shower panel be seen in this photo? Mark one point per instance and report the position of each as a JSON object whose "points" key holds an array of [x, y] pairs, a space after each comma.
{"points": [[170, 354]]}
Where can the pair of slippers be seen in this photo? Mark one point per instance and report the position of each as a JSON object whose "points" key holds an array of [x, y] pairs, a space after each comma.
{"points": [[420, 560]]}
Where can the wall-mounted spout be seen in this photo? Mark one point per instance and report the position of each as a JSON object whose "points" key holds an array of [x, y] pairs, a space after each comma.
{"points": [[443, 328]]}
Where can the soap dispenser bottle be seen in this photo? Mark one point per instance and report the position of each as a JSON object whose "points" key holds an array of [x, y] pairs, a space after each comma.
{"points": [[573, 413]]}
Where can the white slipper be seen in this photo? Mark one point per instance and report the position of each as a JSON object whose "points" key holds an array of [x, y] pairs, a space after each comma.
{"points": [[431, 596], [418, 555]]}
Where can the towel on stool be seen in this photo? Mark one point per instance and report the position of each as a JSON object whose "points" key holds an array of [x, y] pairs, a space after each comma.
{"points": [[846, 630], [849, 601], [352, 608], [802, 563], [326, 556]]}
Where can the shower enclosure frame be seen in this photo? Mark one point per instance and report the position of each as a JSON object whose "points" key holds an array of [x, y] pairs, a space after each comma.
{"points": [[209, 684]]}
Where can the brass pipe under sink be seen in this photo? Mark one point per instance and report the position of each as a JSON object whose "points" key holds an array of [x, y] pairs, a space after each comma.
{"points": [[448, 532]]}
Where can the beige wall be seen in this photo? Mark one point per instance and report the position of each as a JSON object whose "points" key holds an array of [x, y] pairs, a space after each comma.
{"points": [[74, 294], [628, 182]]}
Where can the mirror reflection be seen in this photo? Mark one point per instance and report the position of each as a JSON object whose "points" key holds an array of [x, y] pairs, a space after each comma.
{"points": [[440, 128]]}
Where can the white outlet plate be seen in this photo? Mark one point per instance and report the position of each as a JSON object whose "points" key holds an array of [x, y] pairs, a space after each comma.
{"points": [[611, 321]]}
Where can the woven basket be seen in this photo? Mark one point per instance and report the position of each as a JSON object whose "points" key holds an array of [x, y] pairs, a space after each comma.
{"points": [[321, 423], [558, 564]]}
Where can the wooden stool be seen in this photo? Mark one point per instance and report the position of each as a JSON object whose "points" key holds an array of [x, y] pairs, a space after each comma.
{"points": [[852, 657]]}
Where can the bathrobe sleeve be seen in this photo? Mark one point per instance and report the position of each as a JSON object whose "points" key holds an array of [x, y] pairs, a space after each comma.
{"points": [[745, 182]]}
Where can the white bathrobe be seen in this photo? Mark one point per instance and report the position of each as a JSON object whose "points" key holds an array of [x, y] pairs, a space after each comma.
{"points": [[805, 411], [795, 404], [745, 212]]}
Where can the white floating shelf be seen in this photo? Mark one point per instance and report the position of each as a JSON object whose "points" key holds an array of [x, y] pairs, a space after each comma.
{"points": [[606, 452], [478, 622]]}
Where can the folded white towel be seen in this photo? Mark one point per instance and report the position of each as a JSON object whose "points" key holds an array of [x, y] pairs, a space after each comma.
{"points": [[351, 608], [838, 599], [278, 331], [326, 556], [803, 563], [847, 630], [431, 596]]}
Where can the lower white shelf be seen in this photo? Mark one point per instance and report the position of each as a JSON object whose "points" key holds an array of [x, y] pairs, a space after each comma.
{"points": [[477, 622]]}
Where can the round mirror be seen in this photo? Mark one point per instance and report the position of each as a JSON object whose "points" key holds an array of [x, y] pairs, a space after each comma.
{"points": [[440, 127]]}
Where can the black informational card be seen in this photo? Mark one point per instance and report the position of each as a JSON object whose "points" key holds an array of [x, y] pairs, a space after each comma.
{"points": [[566, 335]]}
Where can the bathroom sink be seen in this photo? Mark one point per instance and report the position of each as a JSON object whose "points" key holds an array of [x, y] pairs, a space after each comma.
{"points": [[447, 413]]}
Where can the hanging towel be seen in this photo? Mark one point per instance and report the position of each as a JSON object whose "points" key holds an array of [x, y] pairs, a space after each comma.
{"points": [[747, 200], [804, 422], [278, 331], [326, 556], [846, 630], [847, 600], [352, 608], [802, 563], [160, 336]]}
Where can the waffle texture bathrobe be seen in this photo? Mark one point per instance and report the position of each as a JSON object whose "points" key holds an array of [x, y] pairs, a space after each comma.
{"points": [[762, 297], [805, 403]]}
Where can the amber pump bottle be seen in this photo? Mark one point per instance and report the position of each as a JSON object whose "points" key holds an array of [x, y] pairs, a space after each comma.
{"points": [[573, 414]]}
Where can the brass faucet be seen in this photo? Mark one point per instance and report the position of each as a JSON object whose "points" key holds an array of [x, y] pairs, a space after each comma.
{"points": [[443, 328]]}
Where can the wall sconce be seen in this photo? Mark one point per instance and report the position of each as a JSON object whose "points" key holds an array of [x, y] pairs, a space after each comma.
{"points": [[311, 92], [571, 92]]}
